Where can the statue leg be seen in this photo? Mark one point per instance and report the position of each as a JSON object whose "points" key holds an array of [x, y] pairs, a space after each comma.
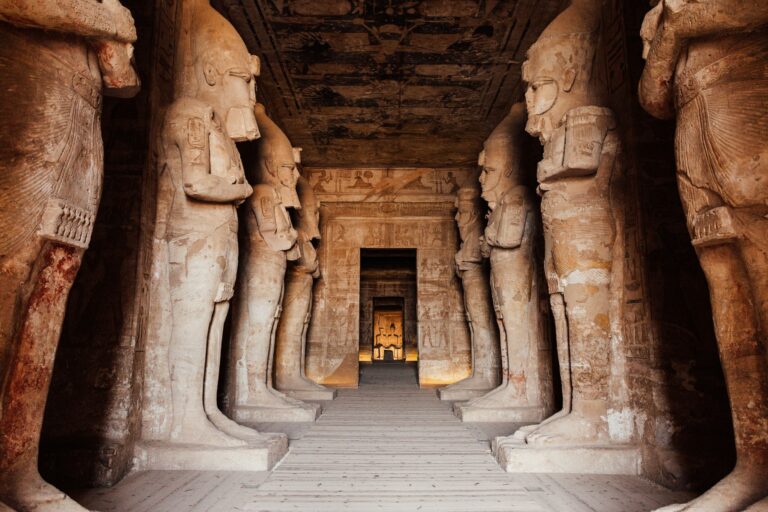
{"points": [[564, 359], [34, 286], [583, 260], [195, 274], [738, 283]]}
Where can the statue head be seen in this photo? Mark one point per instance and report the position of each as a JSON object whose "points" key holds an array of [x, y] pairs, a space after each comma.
{"points": [[468, 210], [500, 158], [278, 160], [219, 70], [560, 68], [309, 215]]}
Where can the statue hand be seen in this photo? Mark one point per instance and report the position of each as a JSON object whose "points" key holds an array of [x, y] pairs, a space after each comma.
{"points": [[117, 72]]}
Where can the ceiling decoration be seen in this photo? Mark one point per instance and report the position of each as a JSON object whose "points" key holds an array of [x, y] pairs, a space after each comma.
{"points": [[389, 82]]}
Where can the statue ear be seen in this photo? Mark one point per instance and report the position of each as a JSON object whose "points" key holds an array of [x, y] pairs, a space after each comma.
{"points": [[210, 74], [569, 78]]}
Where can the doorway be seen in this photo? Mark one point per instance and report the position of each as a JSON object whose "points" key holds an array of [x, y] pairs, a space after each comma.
{"points": [[388, 329], [388, 323]]}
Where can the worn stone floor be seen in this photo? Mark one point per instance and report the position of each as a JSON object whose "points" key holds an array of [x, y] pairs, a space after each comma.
{"points": [[387, 446]]}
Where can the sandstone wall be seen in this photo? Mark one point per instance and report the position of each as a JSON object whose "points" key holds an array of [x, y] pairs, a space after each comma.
{"points": [[387, 208]]}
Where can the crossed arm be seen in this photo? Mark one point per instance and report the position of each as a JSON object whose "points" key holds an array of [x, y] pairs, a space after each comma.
{"points": [[98, 19], [668, 27]]}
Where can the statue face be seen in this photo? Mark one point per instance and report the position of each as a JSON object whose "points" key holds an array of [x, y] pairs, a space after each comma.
{"points": [[491, 181], [238, 89], [465, 215], [541, 100]]}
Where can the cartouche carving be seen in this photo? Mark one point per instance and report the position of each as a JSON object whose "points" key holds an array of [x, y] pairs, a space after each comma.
{"points": [[707, 62]]}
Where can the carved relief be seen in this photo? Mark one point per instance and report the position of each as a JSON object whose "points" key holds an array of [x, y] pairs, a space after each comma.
{"points": [[57, 60], [706, 63]]}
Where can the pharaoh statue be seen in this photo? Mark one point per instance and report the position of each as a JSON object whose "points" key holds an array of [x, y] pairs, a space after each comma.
{"points": [[271, 242], [57, 59], [486, 357], [525, 393], [707, 62], [201, 182], [566, 110], [291, 338]]}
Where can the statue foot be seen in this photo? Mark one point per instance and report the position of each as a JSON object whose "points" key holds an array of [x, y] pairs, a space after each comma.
{"points": [[760, 506], [475, 382], [205, 433], [488, 397], [522, 433], [503, 397], [30, 493], [272, 398], [233, 429], [744, 486], [572, 429]]}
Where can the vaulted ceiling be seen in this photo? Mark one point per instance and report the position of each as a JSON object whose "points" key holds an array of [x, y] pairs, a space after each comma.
{"points": [[372, 83]]}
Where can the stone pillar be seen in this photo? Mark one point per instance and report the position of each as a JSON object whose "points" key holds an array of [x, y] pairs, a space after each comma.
{"points": [[58, 58], [291, 341], [270, 243], [200, 184], [525, 392], [581, 212], [484, 337], [707, 62]]}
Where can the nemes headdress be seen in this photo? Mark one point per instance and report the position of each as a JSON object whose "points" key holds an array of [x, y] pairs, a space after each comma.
{"points": [[501, 146], [567, 46]]}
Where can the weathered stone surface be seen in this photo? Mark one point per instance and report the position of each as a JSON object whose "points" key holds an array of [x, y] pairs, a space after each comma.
{"points": [[291, 338], [271, 242], [486, 353], [582, 216], [57, 59], [707, 63], [195, 261], [525, 393]]}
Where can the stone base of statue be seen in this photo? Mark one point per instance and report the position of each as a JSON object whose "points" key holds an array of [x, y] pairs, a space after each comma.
{"points": [[467, 389], [165, 456], [470, 413], [311, 394], [249, 414], [459, 395], [605, 459]]}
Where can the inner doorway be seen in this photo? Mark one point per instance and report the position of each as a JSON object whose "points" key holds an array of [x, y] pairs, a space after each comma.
{"points": [[388, 328], [388, 302]]}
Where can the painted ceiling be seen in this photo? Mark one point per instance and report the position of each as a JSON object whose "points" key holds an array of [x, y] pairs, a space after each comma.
{"points": [[380, 83]]}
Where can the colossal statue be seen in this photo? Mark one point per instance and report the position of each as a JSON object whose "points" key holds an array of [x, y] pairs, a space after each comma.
{"points": [[271, 242], [57, 58], [708, 62], [291, 339], [201, 182], [525, 393], [486, 356]]}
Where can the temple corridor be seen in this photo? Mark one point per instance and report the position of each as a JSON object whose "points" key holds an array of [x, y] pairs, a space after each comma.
{"points": [[387, 445]]}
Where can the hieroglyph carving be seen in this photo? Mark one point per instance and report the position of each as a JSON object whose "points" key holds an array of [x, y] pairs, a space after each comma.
{"points": [[486, 357], [708, 63], [525, 393], [200, 183], [290, 344], [57, 58], [270, 243], [582, 163]]}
